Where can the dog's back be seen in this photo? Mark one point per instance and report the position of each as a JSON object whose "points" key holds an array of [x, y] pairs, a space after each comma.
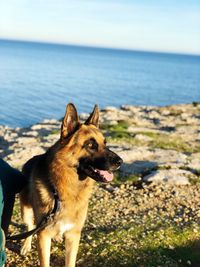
{"points": [[31, 169]]}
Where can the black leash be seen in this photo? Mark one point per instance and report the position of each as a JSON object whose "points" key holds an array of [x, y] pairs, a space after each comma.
{"points": [[43, 223]]}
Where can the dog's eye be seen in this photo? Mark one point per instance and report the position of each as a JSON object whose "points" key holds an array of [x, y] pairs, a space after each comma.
{"points": [[91, 145]]}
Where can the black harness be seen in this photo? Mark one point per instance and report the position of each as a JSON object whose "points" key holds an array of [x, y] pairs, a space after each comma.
{"points": [[42, 224]]}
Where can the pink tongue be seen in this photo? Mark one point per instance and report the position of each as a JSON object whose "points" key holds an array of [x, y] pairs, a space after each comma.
{"points": [[107, 176]]}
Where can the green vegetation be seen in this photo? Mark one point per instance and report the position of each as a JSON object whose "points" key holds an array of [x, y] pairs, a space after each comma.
{"points": [[55, 131], [119, 179], [194, 179], [148, 244], [118, 133], [120, 126], [165, 141]]}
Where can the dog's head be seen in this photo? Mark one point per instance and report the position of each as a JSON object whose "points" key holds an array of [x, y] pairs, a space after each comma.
{"points": [[87, 146]]}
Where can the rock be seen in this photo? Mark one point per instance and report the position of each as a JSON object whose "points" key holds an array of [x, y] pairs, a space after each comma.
{"points": [[84, 116], [20, 156], [135, 129], [110, 108], [27, 141], [51, 121], [169, 158], [37, 127], [138, 153], [173, 176], [194, 162], [30, 133], [142, 137], [137, 167]]}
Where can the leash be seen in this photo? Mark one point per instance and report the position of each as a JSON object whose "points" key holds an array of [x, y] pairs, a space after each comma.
{"points": [[42, 224]]}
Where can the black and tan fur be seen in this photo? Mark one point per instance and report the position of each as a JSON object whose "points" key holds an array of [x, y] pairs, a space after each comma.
{"points": [[70, 166]]}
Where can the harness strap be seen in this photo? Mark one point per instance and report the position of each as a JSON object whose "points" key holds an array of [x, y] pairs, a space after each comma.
{"points": [[42, 224]]}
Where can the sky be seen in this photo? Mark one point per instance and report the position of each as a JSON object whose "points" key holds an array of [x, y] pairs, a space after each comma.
{"points": [[152, 25]]}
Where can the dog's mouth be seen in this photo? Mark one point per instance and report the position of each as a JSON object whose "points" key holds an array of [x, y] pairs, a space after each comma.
{"points": [[99, 175], [106, 176], [99, 168]]}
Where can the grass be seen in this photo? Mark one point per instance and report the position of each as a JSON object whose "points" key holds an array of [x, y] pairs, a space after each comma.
{"points": [[166, 141], [119, 179], [118, 133], [55, 131], [120, 126], [134, 246]]}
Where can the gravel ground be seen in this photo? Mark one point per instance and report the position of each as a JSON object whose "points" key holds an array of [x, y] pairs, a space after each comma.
{"points": [[131, 226]]}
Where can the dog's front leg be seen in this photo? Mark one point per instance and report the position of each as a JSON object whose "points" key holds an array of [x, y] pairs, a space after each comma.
{"points": [[44, 247], [72, 239]]}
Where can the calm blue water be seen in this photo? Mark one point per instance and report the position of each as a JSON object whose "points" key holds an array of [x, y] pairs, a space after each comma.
{"points": [[37, 80]]}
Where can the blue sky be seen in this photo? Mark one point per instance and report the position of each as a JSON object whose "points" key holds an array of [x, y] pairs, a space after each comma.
{"points": [[172, 26]]}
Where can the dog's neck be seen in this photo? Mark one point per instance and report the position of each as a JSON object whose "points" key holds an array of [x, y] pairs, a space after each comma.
{"points": [[64, 176]]}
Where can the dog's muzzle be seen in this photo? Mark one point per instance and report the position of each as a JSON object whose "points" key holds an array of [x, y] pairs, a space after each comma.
{"points": [[101, 168]]}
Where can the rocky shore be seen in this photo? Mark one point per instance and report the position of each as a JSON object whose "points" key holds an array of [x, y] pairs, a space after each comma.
{"points": [[156, 143], [150, 214]]}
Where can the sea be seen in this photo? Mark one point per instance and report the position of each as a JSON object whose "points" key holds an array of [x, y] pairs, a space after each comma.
{"points": [[37, 80]]}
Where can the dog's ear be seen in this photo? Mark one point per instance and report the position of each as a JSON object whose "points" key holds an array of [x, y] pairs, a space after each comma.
{"points": [[70, 121], [94, 117]]}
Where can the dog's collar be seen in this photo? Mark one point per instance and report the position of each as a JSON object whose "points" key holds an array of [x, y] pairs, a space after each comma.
{"points": [[56, 203]]}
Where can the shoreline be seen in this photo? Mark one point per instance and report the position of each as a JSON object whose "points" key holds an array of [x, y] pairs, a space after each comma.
{"points": [[107, 108], [149, 139]]}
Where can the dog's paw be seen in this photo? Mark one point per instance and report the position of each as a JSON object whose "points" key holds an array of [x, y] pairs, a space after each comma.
{"points": [[25, 248]]}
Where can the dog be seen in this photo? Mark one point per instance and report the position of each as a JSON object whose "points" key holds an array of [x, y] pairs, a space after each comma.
{"points": [[71, 166]]}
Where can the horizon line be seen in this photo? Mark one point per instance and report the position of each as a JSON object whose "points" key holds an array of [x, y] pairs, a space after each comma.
{"points": [[100, 47]]}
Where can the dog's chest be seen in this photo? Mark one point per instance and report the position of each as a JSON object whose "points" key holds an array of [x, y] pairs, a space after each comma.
{"points": [[58, 228], [71, 214], [63, 227]]}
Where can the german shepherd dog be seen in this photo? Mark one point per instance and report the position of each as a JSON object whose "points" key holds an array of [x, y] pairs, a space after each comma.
{"points": [[71, 166]]}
